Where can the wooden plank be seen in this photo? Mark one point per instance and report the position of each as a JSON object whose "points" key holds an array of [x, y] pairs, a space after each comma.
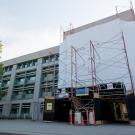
{"points": [[96, 95], [132, 122], [100, 122]]}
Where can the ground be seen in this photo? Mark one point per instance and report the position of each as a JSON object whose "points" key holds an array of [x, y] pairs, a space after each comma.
{"points": [[27, 127]]}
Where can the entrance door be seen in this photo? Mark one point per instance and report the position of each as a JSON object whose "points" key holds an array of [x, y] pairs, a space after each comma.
{"points": [[120, 112], [117, 111], [62, 108]]}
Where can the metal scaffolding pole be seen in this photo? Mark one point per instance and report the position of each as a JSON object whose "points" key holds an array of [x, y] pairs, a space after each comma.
{"points": [[127, 62], [93, 65]]}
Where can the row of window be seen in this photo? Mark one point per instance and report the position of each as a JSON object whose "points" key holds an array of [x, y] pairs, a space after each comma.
{"points": [[25, 94], [26, 73], [31, 63], [24, 110], [5, 83], [19, 81], [27, 80], [7, 68], [51, 58], [27, 64], [22, 94]]}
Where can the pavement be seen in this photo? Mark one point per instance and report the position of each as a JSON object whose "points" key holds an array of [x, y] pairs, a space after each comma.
{"points": [[28, 127]]}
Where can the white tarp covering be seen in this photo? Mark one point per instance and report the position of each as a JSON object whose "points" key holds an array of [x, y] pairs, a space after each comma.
{"points": [[110, 63]]}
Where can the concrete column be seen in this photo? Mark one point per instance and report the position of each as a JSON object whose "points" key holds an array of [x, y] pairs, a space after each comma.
{"points": [[7, 105], [35, 105], [38, 79], [20, 109], [12, 79], [35, 110], [41, 113], [6, 110]]}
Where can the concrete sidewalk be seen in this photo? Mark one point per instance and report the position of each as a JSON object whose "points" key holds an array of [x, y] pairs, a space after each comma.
{"points": [[10, 134], [41, 128]]}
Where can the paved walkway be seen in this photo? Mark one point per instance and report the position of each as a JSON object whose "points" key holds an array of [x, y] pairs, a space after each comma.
{"points": [[42, 128]]}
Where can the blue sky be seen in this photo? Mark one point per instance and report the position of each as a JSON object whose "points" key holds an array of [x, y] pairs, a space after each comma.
{"points": [[31, 25]]}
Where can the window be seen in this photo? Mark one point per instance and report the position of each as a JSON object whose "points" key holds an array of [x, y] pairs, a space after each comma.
{"points": [[42, 107], [52, 58], [42, 93], [17, 95], [49, 91], [6, 77], [6, 83], [43, 77], [31, 79], [56, 75], [25, 108], [1, 109], [57, 57], [34, 62], [50, 76], [20, 81], [30, 91], [22, 65], [28, 94], [20, 74], [46, 60], [8, 68], [27, 64], [14, 109], [31, 72]]}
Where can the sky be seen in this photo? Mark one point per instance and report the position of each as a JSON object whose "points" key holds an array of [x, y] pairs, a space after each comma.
{"points": [[28, 26]]}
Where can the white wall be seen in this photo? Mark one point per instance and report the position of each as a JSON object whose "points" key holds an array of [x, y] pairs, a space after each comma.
{"points": [[99, 34]]}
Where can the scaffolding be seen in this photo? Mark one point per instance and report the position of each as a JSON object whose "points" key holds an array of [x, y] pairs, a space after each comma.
{"points": [[105, 89], [50, 69], [101, 57]]}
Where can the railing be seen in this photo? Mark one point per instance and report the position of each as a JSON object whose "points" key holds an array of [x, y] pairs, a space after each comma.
{"points": [[17, 97], [25, 116], [30, 82], [4, 98], [14, 116], [20, 83], [42, 95], [28, 96]]}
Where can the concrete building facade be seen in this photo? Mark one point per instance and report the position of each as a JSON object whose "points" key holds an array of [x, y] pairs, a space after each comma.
{"points": [[28, 79], [24, 82]]}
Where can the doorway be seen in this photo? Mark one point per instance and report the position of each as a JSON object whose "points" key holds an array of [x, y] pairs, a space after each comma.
{"points": [[62, 108], [112, 111]]}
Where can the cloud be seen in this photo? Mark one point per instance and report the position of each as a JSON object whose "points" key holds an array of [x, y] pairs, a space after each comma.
{"points": [[21, 43]]}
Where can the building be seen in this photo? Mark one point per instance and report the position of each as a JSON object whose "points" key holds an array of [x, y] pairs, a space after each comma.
{"points": [[95, 55], [106, 36], [74, 69], [24, 82]]}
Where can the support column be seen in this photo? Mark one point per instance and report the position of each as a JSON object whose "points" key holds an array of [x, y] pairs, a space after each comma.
{"points": [[35, 105], [35, 110], [7, 105], [6, 110], [20, 109]]}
